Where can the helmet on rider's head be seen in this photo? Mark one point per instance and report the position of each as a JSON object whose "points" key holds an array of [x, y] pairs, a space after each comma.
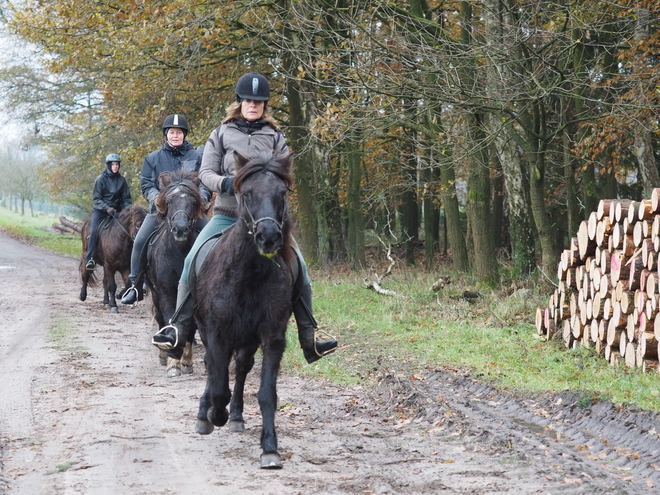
{"points": [[112, 157], [175, 120], [252, 86]]}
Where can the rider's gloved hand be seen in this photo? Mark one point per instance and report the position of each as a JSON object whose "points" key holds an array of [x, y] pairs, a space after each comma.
{"points": [[110, 211], [227, 185]]}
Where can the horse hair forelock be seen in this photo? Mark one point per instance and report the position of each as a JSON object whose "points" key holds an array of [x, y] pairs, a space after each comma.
{"points": [[276, 164]]}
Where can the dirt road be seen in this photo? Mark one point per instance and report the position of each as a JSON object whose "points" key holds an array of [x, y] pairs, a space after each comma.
{"points": [[86, 408]]}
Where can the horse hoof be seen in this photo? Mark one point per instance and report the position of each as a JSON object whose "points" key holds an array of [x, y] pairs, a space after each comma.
{"points": [[173, 371], [186, 370], [218, 418], [237, 426], [114, 309], [204, 427], [271, 461]]}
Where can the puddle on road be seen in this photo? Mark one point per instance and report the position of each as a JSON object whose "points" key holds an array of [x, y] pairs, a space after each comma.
{"points": [[541, 430]]}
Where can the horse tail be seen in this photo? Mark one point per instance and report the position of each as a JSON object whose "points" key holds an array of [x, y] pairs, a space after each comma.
{"points": [[88, 279]]}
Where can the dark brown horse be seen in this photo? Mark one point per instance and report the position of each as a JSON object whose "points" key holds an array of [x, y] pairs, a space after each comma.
{"points": [[179, 205], [113, 252], [243, 296]]}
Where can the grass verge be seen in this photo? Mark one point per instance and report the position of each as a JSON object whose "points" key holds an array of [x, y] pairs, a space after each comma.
{"points": [[493, 338], [30, 229]]}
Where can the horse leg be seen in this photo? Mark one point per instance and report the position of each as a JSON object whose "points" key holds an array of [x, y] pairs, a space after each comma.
{"points": [[244, 363], [173, 367], [106, 281], [162, 357], [187, 359], [204, 426], [112, 289], [83, 289], [214, 400], [267, 396], [124, 276]]}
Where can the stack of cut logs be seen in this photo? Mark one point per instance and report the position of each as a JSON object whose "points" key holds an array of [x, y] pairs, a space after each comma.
{"points": [[608, 294]]}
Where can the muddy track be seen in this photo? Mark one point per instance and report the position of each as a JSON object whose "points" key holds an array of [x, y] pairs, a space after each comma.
{"points": [[85, 407]]}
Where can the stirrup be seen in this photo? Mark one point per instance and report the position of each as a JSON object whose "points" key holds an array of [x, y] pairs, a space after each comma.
{"points": [[327, 336], [90, 265], [128, 291], [166, 346]]}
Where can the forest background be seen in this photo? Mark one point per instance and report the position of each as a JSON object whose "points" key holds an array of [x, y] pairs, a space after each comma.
{"points": [[486, 129]]}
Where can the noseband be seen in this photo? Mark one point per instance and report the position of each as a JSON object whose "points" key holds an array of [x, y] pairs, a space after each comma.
{"points": [[252, 225], [170, 219]]}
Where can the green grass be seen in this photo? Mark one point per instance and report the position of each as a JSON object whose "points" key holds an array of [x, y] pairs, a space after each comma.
{"points": [[30, 229], [494, 339]]}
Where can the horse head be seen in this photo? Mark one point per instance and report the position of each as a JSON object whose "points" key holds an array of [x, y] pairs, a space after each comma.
{"points": [[262, 184], [179, 202]]}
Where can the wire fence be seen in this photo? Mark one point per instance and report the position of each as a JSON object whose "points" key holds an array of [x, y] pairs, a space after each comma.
{"points": [[47, 207]]}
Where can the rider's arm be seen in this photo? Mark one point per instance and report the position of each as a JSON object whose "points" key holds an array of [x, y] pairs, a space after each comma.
{"points": [[97, 195], [148, 180], [211, 169]]}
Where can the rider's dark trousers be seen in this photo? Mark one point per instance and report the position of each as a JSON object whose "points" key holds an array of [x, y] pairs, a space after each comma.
{"points": [[97, 217], [149, 225]]}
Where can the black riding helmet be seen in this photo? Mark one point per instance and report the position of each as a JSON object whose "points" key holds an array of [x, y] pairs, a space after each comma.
{"points": [[252, 86], [175, 120], [112, 157]]}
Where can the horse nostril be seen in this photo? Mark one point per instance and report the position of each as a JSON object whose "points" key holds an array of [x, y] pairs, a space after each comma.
{"points": [[268, 243]]}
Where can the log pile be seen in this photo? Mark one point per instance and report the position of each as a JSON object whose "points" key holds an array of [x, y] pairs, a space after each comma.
{"points": [[608, 294], [67, 226]]}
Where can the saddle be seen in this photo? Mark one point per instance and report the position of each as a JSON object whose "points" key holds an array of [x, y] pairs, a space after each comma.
{"points": [[210, 243]]}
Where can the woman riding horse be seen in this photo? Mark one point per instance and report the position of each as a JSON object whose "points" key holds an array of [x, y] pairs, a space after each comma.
{"points": [[175, 154], [249, 130], [111, 195]]}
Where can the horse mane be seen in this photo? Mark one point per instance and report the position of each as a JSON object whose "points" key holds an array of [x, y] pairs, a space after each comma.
{"points": [[279, 165], [183, 179]]}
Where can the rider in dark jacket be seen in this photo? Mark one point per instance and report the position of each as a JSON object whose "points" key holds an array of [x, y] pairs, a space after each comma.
{"points": [[111, 195], [176, 153]]}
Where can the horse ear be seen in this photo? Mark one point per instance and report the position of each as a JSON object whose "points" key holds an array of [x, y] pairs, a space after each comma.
{"points": [[239, 159], [164, 179]]}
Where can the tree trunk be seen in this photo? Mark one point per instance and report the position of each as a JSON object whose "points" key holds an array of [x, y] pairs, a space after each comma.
{"points": [[409, 212], [478, 207], [354, 207], [304, 173]]}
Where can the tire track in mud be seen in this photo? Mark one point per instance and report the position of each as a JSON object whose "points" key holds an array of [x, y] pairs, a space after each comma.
{"points": [[602, 437]]}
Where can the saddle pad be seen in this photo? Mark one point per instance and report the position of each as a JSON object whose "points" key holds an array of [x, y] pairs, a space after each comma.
{"points": [[200, 256]]}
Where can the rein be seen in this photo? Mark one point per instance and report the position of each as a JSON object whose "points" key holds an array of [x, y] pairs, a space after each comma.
{"points": [[122, 227]]}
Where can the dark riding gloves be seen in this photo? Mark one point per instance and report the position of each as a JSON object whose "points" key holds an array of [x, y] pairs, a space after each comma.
{"points": [[227, 186], [110, 211]]}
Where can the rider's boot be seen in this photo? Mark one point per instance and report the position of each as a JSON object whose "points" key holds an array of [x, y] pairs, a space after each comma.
{"points": [[134, 293], [313, 349], [90, 265], [172, 338]]}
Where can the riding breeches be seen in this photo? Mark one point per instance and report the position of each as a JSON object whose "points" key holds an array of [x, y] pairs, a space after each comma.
{"points": [[217, 224], [97, 217]]}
